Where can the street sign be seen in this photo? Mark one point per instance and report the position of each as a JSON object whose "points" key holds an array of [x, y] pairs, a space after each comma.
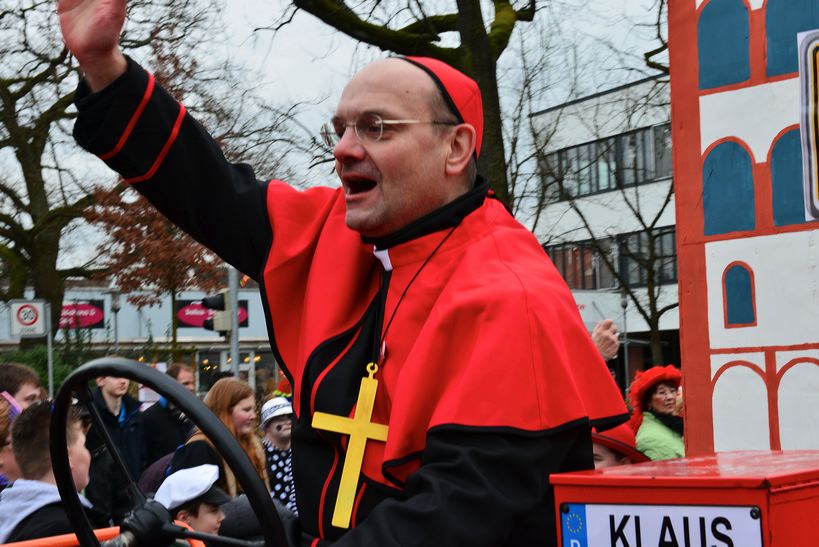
{"points": [[28, 318]]}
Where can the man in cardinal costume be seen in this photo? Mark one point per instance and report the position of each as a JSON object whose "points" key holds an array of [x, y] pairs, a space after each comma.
{"points": [[440, 369]]}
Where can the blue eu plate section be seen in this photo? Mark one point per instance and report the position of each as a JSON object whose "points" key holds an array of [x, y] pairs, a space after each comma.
{"points": [[574, 526]]}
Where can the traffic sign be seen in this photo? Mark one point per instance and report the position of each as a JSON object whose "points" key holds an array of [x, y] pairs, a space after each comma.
{"points": [[28, 318]]}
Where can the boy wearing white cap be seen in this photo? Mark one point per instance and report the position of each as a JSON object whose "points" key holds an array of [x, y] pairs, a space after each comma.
{"points": [[191, 496], [277, 423]]}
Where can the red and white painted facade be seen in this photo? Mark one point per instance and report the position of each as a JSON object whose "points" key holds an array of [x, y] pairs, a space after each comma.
{"points": [[749, 384]]}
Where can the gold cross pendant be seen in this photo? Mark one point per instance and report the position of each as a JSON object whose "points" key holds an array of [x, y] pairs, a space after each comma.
{"points": [[360, 429]]}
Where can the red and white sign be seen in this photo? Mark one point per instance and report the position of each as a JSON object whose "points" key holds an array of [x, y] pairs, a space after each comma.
{"points": [[84, 314], [28, 318], [191, 313]]}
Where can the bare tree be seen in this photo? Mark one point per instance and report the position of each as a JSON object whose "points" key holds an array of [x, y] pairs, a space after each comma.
{"points": [[632, 245], [45, 188], [148, 256], [563, 64]]}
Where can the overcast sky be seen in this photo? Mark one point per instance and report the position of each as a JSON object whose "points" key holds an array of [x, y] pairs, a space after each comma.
{"points": [[308, 61]]}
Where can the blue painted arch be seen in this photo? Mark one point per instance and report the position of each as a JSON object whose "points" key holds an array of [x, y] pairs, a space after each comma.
{"points": [[723, 43], [738, 284], [786, 180], [783, 20], [728, 190]]}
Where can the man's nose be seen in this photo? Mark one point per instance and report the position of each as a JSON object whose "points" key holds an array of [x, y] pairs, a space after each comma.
{"points": [[348, 146]]}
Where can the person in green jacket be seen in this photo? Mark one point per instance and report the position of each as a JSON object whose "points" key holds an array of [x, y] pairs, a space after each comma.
{"points": [[653, 398]]}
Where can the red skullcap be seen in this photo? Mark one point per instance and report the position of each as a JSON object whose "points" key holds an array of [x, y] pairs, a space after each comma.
{"points": [[621, 440], [461, 93]]}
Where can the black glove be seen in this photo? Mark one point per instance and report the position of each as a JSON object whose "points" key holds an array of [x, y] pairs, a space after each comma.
{"points": [[146, 525]]}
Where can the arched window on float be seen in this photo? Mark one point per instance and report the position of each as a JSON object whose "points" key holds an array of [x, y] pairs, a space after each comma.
{"points": [[728, 190], [723, 43], [739, 296], [784, 19], [786, 180]]}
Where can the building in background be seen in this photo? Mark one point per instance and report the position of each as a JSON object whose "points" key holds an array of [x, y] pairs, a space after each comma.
{"points": [[105, 322], [608, 220]]}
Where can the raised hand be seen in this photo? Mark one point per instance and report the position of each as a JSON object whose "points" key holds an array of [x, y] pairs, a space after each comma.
{"points": [[91, 30], [605, 338]]}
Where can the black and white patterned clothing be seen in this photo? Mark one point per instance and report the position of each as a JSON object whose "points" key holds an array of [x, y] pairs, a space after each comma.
{"points": [[280, 475]]}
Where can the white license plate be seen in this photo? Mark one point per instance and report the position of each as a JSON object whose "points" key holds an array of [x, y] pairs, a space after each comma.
{"points": [[599, 525]]}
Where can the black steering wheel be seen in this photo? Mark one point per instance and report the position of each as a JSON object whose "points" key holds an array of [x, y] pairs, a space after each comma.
{"points": [[157, 517]]}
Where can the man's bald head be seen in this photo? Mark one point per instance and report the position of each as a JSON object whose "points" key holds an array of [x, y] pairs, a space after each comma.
{"points": [[421, 160]]}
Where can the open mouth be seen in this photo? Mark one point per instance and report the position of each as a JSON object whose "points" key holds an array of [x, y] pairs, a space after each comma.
{"points": [[358, 185]]}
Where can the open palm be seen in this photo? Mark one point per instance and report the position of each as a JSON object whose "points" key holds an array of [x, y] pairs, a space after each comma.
{"points": [[91, 28]]}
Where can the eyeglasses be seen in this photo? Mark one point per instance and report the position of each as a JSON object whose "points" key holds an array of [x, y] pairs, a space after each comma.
{"points": [[664, 391], [368, 127]]}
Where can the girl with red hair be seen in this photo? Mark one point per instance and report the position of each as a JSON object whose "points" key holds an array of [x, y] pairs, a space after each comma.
{"points": [[233, 402]]}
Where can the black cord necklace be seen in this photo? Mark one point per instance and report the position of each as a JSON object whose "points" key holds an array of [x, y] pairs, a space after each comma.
{"points": [[379, 351]]}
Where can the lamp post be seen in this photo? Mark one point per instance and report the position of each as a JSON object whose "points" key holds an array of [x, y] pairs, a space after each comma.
{"points": [[114, 293], [624, 305]]}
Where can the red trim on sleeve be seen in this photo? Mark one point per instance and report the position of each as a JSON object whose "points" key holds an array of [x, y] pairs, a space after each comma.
{"points": [[324, 493], [358, 497], [149, 90], [171, 139]]}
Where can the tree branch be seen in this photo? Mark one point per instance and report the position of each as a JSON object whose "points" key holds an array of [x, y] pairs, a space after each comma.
{"points": [[433, 26], [339, 16]]}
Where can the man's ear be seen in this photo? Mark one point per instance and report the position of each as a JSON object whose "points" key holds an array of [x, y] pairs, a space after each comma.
{"points": [[461, 148]]}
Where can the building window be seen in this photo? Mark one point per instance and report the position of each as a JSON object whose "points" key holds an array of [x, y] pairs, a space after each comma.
{"points": [[738, 291], [639, 252], [581, 265], [636, 157], [727, 190], [663, 167], [723, 43], [784, 19], [786, 179]]}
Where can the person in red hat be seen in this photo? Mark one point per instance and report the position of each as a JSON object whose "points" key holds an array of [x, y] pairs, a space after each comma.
{"points": [[653, 398], [616, 446], [392, 300]]}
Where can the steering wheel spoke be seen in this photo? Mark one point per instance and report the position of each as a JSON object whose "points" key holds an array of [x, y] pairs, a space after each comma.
{"points": [[87, 400]]}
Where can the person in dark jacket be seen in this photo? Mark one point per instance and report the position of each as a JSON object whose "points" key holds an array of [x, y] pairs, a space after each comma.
{"points": [[107, 489], [31, 508], [166, 427]]}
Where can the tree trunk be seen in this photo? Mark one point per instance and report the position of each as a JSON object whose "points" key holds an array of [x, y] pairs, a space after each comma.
{"points": [[657, 354], [48, 283], [479, 63], [174, 326]]}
